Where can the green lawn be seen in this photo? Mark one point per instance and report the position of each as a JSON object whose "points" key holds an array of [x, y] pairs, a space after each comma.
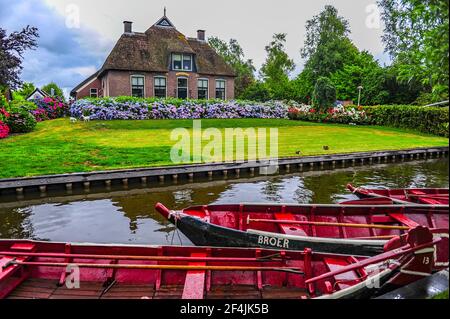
{"points": [[60, 147]]}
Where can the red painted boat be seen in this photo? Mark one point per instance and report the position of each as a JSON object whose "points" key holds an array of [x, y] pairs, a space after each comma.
{"points": [[339, 229], [31, 269], [428, 196]]}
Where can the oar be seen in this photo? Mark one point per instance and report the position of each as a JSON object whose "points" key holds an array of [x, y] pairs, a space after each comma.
{"points": [[274, 257], [374, 260], [155, 267], [273, 221], [375, 237]]}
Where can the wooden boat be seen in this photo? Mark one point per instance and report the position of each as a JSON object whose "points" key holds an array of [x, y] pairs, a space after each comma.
{"points": [[31, 269], [429, 196], [340, 229]]}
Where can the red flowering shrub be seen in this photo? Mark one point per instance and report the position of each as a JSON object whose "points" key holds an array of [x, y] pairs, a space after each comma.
{"points": [[3, 114], [4, 130]]}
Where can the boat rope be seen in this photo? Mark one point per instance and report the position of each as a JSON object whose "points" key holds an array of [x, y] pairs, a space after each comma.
{"points": [[176, 216]]}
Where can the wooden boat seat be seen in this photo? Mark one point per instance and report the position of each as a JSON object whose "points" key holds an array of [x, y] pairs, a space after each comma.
{"points": [[8, 271], [194, 285], [342, 280], [289, 229]]}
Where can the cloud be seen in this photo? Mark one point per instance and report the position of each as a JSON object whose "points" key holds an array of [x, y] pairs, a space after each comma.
{"points": [[64, 55]]}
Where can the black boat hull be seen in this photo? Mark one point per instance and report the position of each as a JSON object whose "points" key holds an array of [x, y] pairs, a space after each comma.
{"points": [[205, 234]]}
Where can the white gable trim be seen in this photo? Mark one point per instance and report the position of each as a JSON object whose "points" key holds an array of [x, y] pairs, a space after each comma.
{"points": [[87, 84]]}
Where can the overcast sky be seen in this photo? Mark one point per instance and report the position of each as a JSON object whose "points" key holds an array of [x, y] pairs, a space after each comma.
{"points": [[70, 51]]}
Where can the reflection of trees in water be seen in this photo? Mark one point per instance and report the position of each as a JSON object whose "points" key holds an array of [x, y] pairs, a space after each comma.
{"points": [[271, 189], [16, 223], [142, 206], [330, 186], [302, 194]]}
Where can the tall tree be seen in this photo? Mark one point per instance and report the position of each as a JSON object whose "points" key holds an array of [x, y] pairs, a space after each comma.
{"points": [[327, 46], [417, 37], [12, 48], [277, 67], [233, 54]]}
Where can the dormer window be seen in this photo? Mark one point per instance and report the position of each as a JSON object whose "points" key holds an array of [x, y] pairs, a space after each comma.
{"points": [[182, 62]]}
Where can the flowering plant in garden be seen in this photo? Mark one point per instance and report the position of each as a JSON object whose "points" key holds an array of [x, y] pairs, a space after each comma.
{"points": [[40, 115], [53, 108], [337, 114], [4, 130], [140, 109], [3, 114]]}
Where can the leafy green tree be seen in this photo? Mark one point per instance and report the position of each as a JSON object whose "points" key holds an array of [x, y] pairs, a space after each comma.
{"points": [[324, 94], [327, 46], [257, 91], [57, 90], [233, 54], [416, 35], [12, 48], [364, 72], [303, 87], [278, 65]]}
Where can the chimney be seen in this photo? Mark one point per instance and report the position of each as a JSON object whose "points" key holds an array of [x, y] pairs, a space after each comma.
{"points": [[201, 35], [127, 25]]}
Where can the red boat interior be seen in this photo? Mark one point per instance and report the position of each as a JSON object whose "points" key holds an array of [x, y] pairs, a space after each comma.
{"points": [[331, 221], [43, 270], [430, 196]]}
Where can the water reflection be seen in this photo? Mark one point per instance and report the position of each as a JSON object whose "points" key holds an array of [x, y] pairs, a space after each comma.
{"points": [[129, 216]]}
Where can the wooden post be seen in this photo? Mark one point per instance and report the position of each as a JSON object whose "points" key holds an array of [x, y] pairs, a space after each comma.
{"points": [[43, 189]]}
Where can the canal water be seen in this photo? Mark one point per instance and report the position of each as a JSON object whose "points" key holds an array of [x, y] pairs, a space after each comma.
{"points": [[128, 216]]}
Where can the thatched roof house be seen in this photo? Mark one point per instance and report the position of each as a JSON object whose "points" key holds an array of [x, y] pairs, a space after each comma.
{"points": [[160, 62]]}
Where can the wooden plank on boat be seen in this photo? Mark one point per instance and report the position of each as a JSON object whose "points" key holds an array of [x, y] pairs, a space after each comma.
{"points": [[194, 286], [404, 220], [289, 229]]}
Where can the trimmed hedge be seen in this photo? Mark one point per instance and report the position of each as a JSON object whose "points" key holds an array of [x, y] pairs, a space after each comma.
{"points": [[433, 120]]}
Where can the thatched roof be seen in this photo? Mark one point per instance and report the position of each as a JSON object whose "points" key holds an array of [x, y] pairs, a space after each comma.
{"points": [[150, 52]]}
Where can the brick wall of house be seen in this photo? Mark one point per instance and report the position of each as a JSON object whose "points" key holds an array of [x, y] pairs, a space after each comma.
{"points": [[86, 91], [118, 83]]}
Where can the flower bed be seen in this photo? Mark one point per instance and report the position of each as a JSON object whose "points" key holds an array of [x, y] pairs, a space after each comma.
{"points": [[338, 114], [140, 109]]}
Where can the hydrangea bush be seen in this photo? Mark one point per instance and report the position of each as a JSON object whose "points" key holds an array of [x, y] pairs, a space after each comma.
{"points": [[337, 114], [49, 108], [4, 130], [140, 109]]}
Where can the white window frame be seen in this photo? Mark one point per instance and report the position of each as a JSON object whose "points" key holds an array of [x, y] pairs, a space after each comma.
{"points": [[96, 92], [154, 86], [182, 62], [224, 89], [187, 86], [131, 83], [207, 90]]}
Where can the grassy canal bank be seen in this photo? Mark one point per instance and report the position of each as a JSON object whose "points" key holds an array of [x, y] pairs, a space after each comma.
{"points": [[58, 146]]}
